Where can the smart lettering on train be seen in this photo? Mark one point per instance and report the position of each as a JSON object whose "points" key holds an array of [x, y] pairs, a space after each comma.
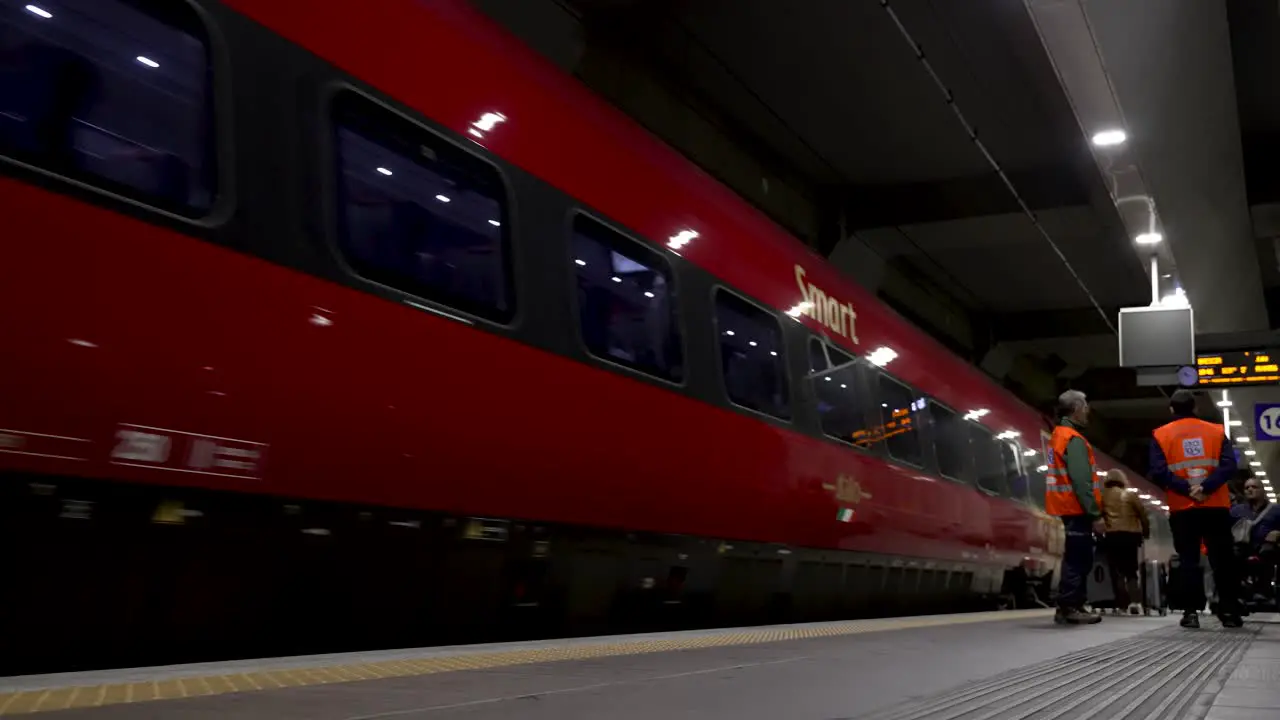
{"points": [[838, 316]]}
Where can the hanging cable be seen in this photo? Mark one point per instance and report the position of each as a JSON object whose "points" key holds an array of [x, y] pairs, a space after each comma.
{"points": [[972, 134]]}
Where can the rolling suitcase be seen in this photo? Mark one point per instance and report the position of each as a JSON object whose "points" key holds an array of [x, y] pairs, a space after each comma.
{"points": [[1153, 587]]}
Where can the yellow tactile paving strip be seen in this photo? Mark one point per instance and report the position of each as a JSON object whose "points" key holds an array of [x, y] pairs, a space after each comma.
{"points": [[42, 700]]}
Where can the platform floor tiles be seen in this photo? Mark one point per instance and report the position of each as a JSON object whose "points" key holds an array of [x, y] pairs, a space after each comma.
{"points": [[986, 666]]}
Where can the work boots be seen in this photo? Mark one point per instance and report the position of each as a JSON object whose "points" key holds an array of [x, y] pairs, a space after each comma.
{"points": [[1075, 616]]}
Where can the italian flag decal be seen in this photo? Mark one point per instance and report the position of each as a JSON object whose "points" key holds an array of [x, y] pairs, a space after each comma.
{"points": [[845, 515]]}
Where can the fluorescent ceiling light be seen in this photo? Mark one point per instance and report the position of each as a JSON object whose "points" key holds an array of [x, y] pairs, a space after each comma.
{"points": [[1109, 138], [1150, 238]]}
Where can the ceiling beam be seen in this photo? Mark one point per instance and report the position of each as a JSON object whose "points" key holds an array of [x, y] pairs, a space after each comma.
{"points": [[1040, 324], [874, 206]]}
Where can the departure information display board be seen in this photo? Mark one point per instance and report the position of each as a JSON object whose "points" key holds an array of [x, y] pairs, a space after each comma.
{"points": [[1248, 367]]}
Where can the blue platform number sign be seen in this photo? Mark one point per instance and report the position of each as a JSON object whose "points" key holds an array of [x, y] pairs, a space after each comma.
{"points": [[1267, 421]]}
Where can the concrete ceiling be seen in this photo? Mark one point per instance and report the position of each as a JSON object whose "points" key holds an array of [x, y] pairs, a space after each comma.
{"points": [[938, 152]]}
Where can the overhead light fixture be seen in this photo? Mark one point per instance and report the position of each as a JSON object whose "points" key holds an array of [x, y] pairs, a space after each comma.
{"points": [[1149, 238], [1250, 452], [1109, 138], [443, 198], [37, 10], [495, 223], [384, 171], [1224, 403], [976, 414], [1028, 453], [1008, 435], [1235, 423], [1243, 439], [1178, 298], [1043, 468], [1255, 463]]}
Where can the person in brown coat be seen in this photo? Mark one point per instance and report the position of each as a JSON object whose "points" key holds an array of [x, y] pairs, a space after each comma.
{"points": [[1127, 526]]}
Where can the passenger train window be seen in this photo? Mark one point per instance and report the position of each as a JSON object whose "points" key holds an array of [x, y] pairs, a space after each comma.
{"points": [[817, 356], [1036, 488], [115, 93], [840, 410], [751, 356], [626, 301], [419, 214], [987, 461], [1014, 480], [899, 420], [950, 440]]}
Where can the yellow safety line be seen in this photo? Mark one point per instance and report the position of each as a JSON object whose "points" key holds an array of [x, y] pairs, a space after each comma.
{"points": [[45, 699]]}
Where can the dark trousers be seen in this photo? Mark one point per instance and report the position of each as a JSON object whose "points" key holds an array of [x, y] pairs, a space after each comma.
{"points": [[1213, 525], [1077, 561], [1122, 559]]}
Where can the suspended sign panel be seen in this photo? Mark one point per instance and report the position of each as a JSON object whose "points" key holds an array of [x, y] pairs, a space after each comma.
{"points": [[1157, 337], [1246, 367]]}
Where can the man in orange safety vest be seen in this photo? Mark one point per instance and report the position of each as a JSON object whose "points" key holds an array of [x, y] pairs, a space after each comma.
{"points": [[1193, 460], [1073, 492]]}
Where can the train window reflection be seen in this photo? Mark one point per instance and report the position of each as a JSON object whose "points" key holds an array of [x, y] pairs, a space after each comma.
{"points": [[950, 440], [899, 418], [626, 301], [751, 356], [987, 463], [840, 409], [419, 214], [77, 100], [1035, 489], [1014, 480], [817, 356]]}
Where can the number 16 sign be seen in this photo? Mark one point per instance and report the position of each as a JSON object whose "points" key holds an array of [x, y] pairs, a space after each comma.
{"points": [[1266, 423]]}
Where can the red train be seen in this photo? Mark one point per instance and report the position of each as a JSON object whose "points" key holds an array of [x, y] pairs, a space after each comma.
{"points": [[330, 328]]}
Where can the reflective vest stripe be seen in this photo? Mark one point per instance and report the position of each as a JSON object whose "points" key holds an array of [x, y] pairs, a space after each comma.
{"points": [[1188, 464]]}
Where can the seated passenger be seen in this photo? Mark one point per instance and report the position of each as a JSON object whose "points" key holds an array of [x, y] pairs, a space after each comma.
{"points": [[1257, 532]]}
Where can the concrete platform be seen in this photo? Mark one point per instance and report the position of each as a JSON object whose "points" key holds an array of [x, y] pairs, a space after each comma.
{"points": [[991, 665]]}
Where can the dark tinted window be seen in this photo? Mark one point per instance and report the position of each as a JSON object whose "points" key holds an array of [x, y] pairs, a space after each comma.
{"points": [[115, 93], [751, 356], [626, 301], [839, 408], [899, 416], [951, 441], [987, 463], [419, 214], [1014, 480], [1036, 488], [817, 356]]}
